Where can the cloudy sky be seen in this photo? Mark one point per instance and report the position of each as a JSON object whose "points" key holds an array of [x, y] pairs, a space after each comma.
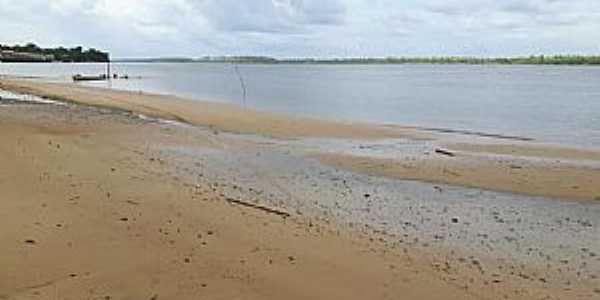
{"points": [[307, 28]]}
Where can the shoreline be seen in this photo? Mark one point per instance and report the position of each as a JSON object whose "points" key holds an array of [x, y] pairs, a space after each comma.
{"points": [[206, 114], [489, 162]]}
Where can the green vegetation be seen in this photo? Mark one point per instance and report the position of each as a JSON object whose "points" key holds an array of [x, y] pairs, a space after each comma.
{"points": [[531, 60], [32, 52], [60, 54]]}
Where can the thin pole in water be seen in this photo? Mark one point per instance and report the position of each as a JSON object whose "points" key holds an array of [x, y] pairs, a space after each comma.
{"points": [[108, 68], [242, 84]]}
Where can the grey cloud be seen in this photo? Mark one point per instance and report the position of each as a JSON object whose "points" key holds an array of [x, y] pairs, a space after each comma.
{"points": [[319, 12], [512, 15], [522, 7], [271, 16], [404, 23]]}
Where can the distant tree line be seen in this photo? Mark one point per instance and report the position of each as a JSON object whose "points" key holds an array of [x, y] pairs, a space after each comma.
{"points": [[531, 60], [60, 54]]}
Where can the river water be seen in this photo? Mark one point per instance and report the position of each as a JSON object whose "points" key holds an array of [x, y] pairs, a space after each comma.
{"points": [[553, 104]]}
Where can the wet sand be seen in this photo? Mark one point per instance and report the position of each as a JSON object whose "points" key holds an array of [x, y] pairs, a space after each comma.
{"points": [[561, 181], [530, 150], [138, 208]]}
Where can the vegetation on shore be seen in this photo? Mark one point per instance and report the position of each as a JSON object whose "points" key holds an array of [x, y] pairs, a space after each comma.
{"points": [[60, 54], [531, 60], [34, 53]]}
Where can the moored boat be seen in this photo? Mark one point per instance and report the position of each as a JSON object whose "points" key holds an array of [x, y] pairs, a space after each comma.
{"points": [[80, 77]]}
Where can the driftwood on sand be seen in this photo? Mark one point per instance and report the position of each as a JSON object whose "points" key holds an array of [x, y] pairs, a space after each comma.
{"points": [[259, 207]]}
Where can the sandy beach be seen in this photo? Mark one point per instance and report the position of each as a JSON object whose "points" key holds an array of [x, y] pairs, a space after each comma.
{"points": [[514, 166], [121, 195]]}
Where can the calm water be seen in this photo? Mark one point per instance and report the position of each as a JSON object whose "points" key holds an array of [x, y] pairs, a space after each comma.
{"points": [[550, 103]]}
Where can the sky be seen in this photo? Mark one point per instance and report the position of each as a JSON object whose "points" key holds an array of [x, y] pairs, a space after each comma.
{"points": [[307, 28]]}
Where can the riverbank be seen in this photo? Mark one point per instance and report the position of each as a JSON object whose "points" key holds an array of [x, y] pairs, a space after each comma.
{"points": [[207, 114], [135, 207], [488, 163]]}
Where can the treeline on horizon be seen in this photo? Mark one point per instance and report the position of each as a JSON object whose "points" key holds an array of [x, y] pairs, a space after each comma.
{"points": [[61, 54], [530, 60]]}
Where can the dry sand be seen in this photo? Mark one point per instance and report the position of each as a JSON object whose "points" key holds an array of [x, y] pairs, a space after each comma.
{"points": [[87, 212]]}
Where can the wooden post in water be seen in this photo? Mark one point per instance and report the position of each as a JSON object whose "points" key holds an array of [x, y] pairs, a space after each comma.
{"points": [[108, 68]]}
